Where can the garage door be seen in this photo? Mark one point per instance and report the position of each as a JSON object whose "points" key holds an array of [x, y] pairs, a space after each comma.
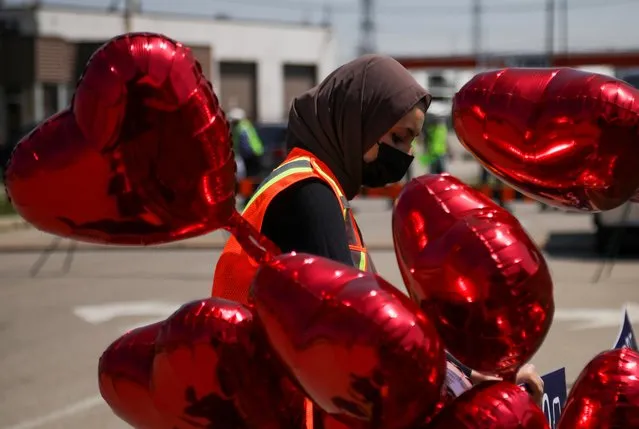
{"points": [[238, 87], [55, 60], [297, 79]]}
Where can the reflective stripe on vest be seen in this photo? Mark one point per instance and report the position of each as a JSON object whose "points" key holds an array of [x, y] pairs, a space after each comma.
{"points": [[306, 165], [298, 165], [359, 255]]}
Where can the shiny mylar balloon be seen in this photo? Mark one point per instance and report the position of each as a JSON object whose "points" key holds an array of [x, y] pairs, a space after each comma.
{"points": [[492, 405], [360, 349], [606, 393], [205, 366], [124, 375], [211, 370], [474, 271], [142, 156], [563, 136]]}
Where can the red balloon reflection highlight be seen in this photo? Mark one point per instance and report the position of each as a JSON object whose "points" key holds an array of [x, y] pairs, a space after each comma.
{"points": [[360, 349], [565, 137], [124, 375], [473, 269], [142, 156], [492, 405], [606, 393], [211, 369]]}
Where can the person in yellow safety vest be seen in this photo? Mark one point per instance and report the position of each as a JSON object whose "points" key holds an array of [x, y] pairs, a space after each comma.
{"points": [[246, 142], [436, 142]]}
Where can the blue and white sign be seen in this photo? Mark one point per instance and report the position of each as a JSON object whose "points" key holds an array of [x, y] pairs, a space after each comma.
{"points": [[626, 337], [554, 395], [555, 389]]}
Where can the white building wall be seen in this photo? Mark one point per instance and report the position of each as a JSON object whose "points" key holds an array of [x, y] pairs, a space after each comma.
{"points": [[462, 77], [605, 70], [269, 45], [421, 76]]}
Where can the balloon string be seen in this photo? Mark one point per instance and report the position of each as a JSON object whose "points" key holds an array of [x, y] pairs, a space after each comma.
{"points": [[257, 245]]}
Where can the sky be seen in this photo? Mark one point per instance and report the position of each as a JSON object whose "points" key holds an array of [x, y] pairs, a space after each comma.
{"points": [[434, 27]]}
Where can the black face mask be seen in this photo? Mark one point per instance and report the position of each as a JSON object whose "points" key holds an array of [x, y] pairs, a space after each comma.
{"points": [[390, 166]]}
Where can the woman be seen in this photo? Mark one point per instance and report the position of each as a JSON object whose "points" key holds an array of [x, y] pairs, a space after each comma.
{"points": [[353, 129]]}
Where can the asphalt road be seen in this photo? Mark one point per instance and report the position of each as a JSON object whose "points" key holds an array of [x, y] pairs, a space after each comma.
{"points": [[54, 326]]}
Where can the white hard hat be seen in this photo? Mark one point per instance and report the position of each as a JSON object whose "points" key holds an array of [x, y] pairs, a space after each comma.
{"points": [[440, 109], [236, 114]]}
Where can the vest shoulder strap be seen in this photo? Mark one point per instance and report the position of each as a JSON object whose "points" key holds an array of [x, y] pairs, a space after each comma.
{"points": [[288, 173], [284, 171]]}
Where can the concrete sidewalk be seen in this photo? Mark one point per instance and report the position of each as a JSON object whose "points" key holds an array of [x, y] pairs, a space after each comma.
{"points": [[12, 223]]}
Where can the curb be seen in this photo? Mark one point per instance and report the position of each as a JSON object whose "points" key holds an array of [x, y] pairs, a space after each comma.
{"points": [[74, 246], [13, 225]]}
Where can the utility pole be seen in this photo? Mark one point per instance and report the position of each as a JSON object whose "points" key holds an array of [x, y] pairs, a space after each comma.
{"points": [[127, 16], [564, 26], [327, 16], [367, 28], [130, 7], [476, 33], [550, 31]]}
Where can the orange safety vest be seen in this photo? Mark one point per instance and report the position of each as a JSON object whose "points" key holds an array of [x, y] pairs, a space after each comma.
{"points": [[235, 269]]}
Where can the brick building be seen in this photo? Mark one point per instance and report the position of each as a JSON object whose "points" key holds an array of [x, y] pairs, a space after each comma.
{"points": [[258, 66]]}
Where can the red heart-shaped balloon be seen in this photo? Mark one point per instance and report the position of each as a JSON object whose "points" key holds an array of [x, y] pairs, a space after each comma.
{"points": [[142, 156], [207, 365], [606, 393], [492, 405], [211, 370], [124, 375], [566, 137], [473, 269], [360, 349]]}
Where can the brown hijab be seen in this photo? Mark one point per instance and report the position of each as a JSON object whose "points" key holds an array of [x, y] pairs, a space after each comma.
{"points": [[345, 115]]}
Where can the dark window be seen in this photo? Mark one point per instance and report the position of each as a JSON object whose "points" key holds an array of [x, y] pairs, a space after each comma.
{"points": [[437, 81], [238, 87], [297, 80], [632, 79]]}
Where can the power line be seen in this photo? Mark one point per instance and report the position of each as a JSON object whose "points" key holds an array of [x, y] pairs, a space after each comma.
{"points": [[327, 15], [403, 9], [476, 32], [563, 5], [550, 29]]}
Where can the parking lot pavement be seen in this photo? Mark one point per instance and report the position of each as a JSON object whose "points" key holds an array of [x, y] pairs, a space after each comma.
{"points": [[54, 325]]}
